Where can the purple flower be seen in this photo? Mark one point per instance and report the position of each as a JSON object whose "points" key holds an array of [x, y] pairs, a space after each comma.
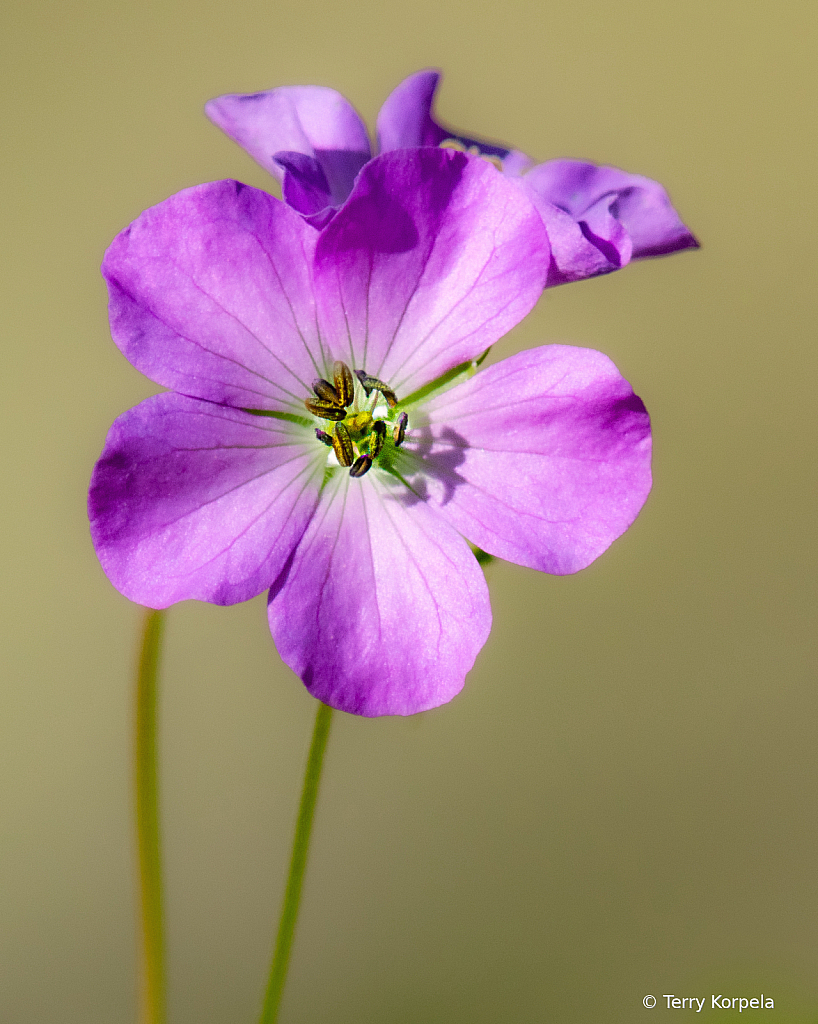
{"points": [[326, 436], [313, 141]]}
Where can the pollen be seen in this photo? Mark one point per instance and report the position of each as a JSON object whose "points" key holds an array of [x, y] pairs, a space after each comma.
{"points": [[473, 150], [359, 424]]}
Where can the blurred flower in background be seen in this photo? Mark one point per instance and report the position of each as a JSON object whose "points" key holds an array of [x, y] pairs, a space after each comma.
{"points": [[313, 141]]}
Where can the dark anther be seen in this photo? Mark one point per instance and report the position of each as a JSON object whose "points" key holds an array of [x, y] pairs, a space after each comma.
{"points": [[370, 384], [344, 384], [325, 410], [361, 465], [324, 437], [342, 445], [377, 438], [399, 433], [326, 392]]}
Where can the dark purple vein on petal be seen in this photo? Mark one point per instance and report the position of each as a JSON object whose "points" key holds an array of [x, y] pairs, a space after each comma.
{"points": [[418, 569], [253, 522], [230, 490], [370, 490], [256, 338], [307, 348]]}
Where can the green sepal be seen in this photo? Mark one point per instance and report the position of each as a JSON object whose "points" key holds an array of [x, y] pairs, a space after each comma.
{"points": [[444, 381], [290, 417], [483, 557]]}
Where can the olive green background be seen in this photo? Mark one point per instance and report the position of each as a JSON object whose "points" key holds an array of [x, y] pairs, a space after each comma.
{"points": [[623, 799]]}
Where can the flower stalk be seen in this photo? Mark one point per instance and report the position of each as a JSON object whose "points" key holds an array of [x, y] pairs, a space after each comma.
{"points": [[298, 864], [147, 823]]}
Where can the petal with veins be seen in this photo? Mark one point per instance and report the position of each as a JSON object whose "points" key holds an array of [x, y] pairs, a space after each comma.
{"points": [[542, 459], [308, 119], [211, 295], [195, 500], [434, 257], [383, 608]]}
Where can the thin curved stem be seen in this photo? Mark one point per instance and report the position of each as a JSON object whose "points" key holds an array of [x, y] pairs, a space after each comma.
{"points": [[147, 823], [298, 864]]}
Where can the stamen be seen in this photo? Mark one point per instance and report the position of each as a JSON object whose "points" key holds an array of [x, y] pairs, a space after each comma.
{"points": [[358, 439], [370, 384], [325, 410], [326, 392], [342, 445], [363, 377], [399, 433], [377, 438], [361, 465], [344, 384]]}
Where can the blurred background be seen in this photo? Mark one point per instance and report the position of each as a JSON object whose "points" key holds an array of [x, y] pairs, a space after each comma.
{"points": [[623, 799]]}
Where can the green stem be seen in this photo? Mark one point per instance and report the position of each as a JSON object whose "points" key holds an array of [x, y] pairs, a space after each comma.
{"points": [[147, 823], [298, 863]]}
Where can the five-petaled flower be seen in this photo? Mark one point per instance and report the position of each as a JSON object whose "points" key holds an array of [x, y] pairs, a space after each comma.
{"points": [[311, 138], [326, 436]]}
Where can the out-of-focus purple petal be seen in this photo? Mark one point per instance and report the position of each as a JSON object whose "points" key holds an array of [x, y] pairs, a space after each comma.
{"points": [[305, 186], [383, 608], [195, 500], [543, 459], [607, 233], [577, 254], [433, 258], [308, 119], [211, 295], [641, 205], [405, 121]]}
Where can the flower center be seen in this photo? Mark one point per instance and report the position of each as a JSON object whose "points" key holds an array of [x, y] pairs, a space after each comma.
{"points": [[359, 437]]}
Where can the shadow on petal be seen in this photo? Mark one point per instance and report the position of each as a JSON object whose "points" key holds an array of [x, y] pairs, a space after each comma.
{"points": [[438, 457], [384, 226]]}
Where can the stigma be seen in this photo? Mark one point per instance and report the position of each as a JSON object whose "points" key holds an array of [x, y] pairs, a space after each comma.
{"points": [[365, 431]]}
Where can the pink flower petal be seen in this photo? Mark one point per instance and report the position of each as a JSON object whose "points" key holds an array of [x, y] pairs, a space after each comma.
{"points": [[195, 500], [306, 119], [383, 608], [640, 204], [576, 254], [542, 459], [434, 257], [211, 295]]}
